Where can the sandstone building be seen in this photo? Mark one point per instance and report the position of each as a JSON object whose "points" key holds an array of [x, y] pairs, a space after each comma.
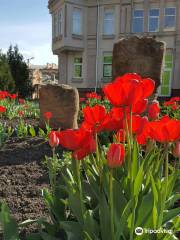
{"points": [[84, 31]]}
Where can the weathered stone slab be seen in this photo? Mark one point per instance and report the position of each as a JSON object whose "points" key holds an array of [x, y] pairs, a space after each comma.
{"points": [[63, 102], [139, 55]]}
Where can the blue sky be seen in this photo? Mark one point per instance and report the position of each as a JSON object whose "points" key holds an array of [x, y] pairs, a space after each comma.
{"points": [[27, 23]]}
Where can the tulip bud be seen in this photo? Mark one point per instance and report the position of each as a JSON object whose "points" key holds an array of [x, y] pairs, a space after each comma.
{"points": [[53, 139], [176, 150], [115, 155], [154, 110]]}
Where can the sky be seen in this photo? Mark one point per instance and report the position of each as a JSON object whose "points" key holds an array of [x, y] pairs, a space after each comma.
{"points": [[27, 23]]}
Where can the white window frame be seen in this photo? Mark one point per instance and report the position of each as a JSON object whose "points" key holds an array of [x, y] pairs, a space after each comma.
{"points": [[105, 20], [79, 18], [77, 64], [138, 9], [150, 17], [172, 28]]}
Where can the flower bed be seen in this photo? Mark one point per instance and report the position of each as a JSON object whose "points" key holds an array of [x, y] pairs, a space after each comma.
{"points": [[114, 178]]}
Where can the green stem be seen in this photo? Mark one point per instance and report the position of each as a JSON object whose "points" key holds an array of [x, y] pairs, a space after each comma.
{"points": [[111, 203], [78, 174]]}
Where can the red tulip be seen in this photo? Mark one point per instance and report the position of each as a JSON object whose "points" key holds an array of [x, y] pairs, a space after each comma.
{"points": [[82, 99], [140, 106], [138, 124], [53, 139], [121, 135], [94, 116], [2, 109], [128, 90], [165, 130], [48, 115], [3, 94], [115, 155], [93, 95], [21, 101], [80, 141], [154, 110], [12, 96], [176, 150]]}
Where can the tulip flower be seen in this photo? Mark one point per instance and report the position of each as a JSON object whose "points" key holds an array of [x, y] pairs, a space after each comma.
{"points": [[176, 150], [80, 141], [154, 110], [94, 116], [115, 155], [128, 90], [48, 115], [53, 139], [21, 101], [2, 109], [165, 130]]}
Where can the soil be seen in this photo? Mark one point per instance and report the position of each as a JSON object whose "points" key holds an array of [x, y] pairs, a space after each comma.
{"points": [[22, 177]]}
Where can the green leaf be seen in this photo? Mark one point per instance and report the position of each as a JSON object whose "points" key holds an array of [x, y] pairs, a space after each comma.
{"points": [[138, 181], [73, 229], [104, 215], [170, 214], [9, 225], [74, 204], [123, 220], [134, 166], [90, 225], [32, 131]]}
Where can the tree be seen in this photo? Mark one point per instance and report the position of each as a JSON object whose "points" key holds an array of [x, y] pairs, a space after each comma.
{"points": [[6, 79], [19, 71]]}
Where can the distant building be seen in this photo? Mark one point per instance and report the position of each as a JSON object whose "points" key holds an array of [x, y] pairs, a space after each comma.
{"points": [[42, 75], [84, 31]]}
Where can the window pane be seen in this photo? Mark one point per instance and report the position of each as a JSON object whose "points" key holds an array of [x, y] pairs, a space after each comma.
{"points": [[138, 25], [78, 60], [169, 58], [107, 70], [170, 11], [154, 12], [153, 24], [108, 27], [77, 71], [165, 91], [138, 13], [77, 21], [108, 59], [166, 78], [109, 21], [170, 22]]}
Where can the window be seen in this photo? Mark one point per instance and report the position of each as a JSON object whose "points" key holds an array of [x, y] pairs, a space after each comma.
{"points": [[55, 25], [153, 20], [138, 21], [78, 67], [107, 66], [170, 19], [108, 21], [77, 21], [60, 22], [165, 89]]}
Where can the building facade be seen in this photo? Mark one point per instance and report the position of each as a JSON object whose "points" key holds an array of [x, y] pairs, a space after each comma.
{"points": [[42, 75], [84, 32]]}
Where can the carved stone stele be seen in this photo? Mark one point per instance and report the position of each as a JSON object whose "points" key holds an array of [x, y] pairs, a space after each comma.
{"points": [[142, 55]]}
